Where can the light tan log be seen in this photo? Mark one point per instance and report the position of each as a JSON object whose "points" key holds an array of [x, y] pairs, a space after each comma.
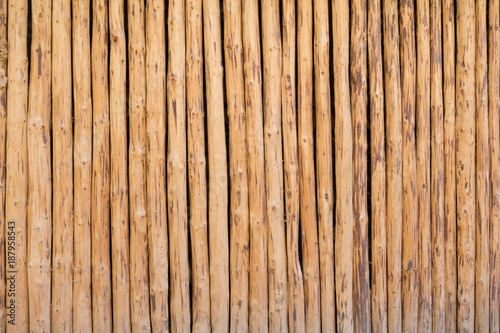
{"points": [[62, 173], [437, 170], [378, 170], [494, 148], [359, 102], [450, 216], [465, 163], [82, 301], [258, 297], [271, 46], [197, 167], [139, 277], [296, 315], [156, 159], [40, 169], [3, 152], [343, 168], [119, 185], [423, 138], [239, 218], [394, 162], [17, 161]]}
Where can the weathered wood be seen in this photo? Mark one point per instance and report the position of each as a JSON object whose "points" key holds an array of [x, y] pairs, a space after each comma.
{"points": [[3, 153]]}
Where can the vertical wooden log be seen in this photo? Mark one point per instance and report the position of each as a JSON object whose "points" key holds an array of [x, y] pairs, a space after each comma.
{"points": [[119, 185], [258, 301], [306, 167], [324, 171], [494, 139], [176, 168], [271, 46], [40, 170], [139, 284], [156, 176], [409, 266], [437, 170], [101, 265], [378, 170], [217, 219], [450, 217], [343, 168], [82, 301], [197, 166], [3, 152], [239, 219], [394, 162], [482, 284], [359, 102], [465, 164], [423, 99], [296, 315], [62, 130], [17, 167]]}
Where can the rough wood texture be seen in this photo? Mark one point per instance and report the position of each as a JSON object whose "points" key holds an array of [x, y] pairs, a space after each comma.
{"points": [[423, 138], [156, 159], [305, 139], [437, 170], [271, 46], [82, 304], [394, 148], [119, 180], [482, 281], [450, 221], [217, 191], [40, 169], [139, 277], [239, 218], [62, 173], [465, 164], [359, 103], [296, 315], [197, 167], [378, 171], [3, 152], [343, 168], [17, 161]]}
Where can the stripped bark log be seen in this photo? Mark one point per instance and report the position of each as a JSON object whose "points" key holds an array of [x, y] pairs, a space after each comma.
{"points": [[3, 152]]}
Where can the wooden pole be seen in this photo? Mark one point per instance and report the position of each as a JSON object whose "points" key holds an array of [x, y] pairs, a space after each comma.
{"points": [[40, 171], [62, 130], [482, 284], [494, 139], [271, 46], [156, 176], [450, 217], [139, 284], [101, 265], [239, 218], [17, 160], [176, 169], [437, 170], [359, 102], [343, 168], [197, 167], [306, 167], [378, 170], [409, 266], [219, 245], [3, 152], [119, 185], [324, 171], [82, 301], [465, 164], [423, 138], [394, 162], [296, 315], [258, 301]]}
